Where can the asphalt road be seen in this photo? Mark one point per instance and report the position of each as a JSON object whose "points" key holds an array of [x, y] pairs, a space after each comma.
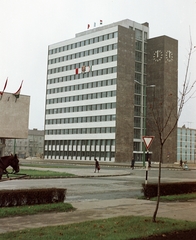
{"points": [[100, 187]]}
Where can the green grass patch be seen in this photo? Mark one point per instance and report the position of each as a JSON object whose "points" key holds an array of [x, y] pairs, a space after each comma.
{"points": [[51, 165], [119, 228], [175, 198], [46, 166], [35, 209], [40, 174]]}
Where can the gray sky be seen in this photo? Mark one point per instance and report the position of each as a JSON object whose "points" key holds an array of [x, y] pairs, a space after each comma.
{"points": [[27, 27]]}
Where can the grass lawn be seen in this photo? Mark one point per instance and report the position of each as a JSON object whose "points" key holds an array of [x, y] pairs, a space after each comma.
{"points": [[47, 165], [174, 198], [39, 174], [34, 209], [107, 229]]}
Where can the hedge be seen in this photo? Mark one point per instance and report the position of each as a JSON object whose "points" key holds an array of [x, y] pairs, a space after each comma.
{"points": [[150, 190], [20, 197]]}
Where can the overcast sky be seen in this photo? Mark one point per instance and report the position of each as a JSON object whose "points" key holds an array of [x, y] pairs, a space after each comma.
{"points": [[27, 27]]}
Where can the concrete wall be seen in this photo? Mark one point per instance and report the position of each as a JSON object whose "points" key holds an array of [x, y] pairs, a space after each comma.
{"points": [[14, 116], [162, 71]]}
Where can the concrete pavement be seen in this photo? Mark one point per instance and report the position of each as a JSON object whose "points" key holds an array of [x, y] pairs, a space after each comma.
{"points": [[93, 209]]}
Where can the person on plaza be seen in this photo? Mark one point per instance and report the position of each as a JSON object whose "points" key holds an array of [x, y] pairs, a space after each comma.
{"points": [[149, 163], [181, 162], [185, 166], [132, 163], [97, 166]]}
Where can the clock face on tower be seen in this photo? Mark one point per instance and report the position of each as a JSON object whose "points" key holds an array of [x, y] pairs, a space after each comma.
{"points": [[169, 56], [157, 56]]}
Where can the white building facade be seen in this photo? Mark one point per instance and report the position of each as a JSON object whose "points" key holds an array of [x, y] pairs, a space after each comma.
{"points": [[32, 146], [94, 94], [186, 145]]}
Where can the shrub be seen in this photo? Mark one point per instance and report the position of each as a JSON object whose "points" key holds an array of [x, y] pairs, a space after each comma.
{"points": [[150, 190], [20, 197]]}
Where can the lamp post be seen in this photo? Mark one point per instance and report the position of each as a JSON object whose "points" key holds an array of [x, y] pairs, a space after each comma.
{"points": [[144, 114]]}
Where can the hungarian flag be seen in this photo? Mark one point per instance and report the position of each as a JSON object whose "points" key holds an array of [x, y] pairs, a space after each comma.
{"points": [[83, 69], [1, 93], [101, 22], [17, 93]]}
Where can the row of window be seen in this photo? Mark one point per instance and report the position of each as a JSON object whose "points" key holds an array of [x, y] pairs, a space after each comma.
{"points": [[138, 57], [87, 63], [83, 54], [81, 97], [81, 131], [101, 118], [80, 155], [137, 122], [76, 144], [103, 83], [137, 111], [95, 73], [138, 78], [138, 67], [139, 34], [88, 142], [138, 46], [93, 107], [137, 99], [84, 43]]}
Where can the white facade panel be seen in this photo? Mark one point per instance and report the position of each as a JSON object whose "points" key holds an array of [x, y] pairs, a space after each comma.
{"points": [[81, 136]]}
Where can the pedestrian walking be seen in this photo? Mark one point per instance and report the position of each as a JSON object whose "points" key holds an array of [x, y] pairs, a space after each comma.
{"points": [[132, 163], [97, 166], [181, 162], [149, 163], [185, 166]]}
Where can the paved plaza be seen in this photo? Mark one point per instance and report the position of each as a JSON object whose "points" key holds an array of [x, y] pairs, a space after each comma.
{"points": [[97, 207]]}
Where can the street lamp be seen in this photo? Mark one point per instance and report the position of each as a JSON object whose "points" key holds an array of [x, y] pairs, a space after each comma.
{"points": [[144, 113]]}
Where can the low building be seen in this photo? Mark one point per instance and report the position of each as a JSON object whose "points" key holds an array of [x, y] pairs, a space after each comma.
{"points": [[186, 150], [33, 146]]}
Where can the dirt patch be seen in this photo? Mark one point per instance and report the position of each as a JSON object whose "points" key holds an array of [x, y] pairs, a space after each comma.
{"points": [[180, 235]]}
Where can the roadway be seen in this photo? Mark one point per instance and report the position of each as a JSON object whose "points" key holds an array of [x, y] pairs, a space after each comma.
{"points": [[110, 183]]}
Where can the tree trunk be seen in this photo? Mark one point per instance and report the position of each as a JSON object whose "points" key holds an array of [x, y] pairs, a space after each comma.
{"points": [[159, 185]]}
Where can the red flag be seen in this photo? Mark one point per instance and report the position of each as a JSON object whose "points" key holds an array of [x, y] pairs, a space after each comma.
{"points": [[17, 93], [88, 26], [83, 69], [1, 93]]}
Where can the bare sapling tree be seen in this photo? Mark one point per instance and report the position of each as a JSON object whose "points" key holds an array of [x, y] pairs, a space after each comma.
{"points": [[165, 125]]}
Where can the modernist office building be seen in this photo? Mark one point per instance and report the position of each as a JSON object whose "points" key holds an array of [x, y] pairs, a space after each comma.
{"points": [[95, 98]]}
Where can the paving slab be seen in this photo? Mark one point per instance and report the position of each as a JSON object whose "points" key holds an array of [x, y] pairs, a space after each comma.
{"points": [[99, 209], [92, 210]]}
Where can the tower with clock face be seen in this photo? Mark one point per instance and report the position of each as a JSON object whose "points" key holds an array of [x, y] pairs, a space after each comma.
{"points": [[162, 71]]}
